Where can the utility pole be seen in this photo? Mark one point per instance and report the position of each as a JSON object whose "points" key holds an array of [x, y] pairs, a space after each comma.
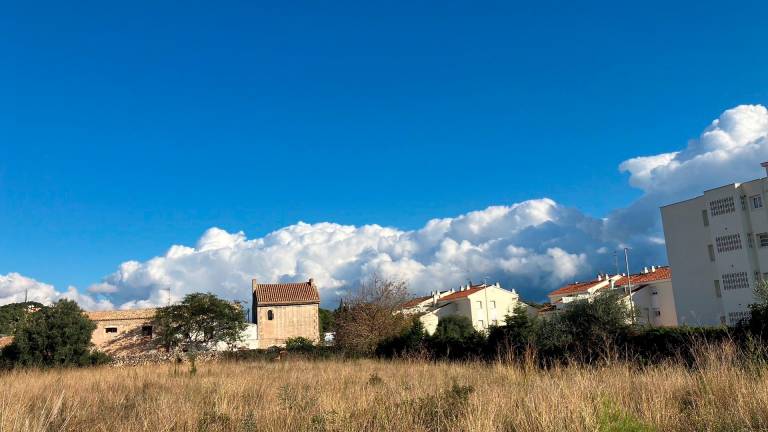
{"points": [[485, 291], [629, 284], [26, 292]]}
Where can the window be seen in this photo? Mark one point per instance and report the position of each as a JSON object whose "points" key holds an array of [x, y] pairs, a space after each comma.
{"points": [[732, 281], [111, 330], [728, 243], [146, 330], [705, 217], [718, 293], [270, 315], [744, 202], [654, 292], [762, 240], [750, 240], [656, 312], [722, 206], [757, 201], [736, 317], [479, 305], [711, 250], [493, 304]]}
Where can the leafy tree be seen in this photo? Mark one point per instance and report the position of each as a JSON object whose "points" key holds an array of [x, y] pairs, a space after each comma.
{"points": [[514, 336], [411, 342], [456, 338], [14, 313], [59, 335], [326, 320], [592, 327], [200, 322], [758, 321], [371, 315]]}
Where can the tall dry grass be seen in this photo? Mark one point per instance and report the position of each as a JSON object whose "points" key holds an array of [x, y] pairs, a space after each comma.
{"points": [[366, 395]]}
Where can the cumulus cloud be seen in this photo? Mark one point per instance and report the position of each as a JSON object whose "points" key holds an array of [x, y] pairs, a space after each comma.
{"points": [[14, 288], [729, 150], [532, 246], [537, 243]]}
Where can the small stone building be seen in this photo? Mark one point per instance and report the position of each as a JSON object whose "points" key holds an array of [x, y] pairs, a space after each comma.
{"points": [[287, 310], [124, 332]]}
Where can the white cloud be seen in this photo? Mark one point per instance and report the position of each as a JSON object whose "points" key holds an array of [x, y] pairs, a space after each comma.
{"points": [[729, 150], [532, 246], [14, 288], [534, 243]]}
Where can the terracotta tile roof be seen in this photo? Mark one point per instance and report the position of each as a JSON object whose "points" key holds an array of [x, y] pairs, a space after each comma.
{"points": [[415, 302], [574, 288], [285, 293], [661, 273], [5, 341], [121, 314], [466, 293]]}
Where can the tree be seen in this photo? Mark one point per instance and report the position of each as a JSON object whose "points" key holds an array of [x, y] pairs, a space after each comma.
{"points": [[326, 320], [14, 313], [371, 315], [200, 322], [59, 335], [514, 336], [593, 326], [456, 338], [758, 320], [411, 342]]}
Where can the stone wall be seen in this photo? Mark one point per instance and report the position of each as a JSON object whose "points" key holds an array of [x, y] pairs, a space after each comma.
{"points": [[287, 322], [128, 338]]}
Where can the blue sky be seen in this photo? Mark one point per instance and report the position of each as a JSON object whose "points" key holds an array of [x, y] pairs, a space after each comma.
{"points": [[125, 129]]}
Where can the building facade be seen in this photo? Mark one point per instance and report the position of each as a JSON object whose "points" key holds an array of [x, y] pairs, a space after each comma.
{"points": [[124, 332], [484, 305], [648, 295], [283, 311], [717, 244]]}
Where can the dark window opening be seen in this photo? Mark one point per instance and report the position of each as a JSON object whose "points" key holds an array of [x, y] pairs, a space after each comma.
{"points": [[146, 330], [111, 329], [270, 315]]}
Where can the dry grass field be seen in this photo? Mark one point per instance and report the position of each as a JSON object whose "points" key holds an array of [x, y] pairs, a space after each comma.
{"points": [[368, 395]]}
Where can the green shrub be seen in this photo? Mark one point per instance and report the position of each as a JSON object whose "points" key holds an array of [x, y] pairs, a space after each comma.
{"points": [[299, 344]]}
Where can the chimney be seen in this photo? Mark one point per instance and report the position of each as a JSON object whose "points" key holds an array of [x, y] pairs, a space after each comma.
{"points": [[311, 281], [599, 277], [645, 270], [765, 165], [613, 283], [653, 269]]}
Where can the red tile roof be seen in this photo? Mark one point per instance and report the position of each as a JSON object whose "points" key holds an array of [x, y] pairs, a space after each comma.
{"points": [[661, 273], [285, 293], [466, 293], [574, 288], [5, 341], [415, 302]]}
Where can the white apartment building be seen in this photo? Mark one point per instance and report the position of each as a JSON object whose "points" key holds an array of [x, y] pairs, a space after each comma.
{"points": [[485, 305], [717, 245], [651, 301]]}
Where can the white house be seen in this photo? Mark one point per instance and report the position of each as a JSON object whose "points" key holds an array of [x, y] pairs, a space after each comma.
{"points": [[717, 243], [485, 305], [650, 298]]}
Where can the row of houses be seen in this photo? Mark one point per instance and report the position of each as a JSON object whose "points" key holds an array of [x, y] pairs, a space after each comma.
{"points": [[717, 245]]}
